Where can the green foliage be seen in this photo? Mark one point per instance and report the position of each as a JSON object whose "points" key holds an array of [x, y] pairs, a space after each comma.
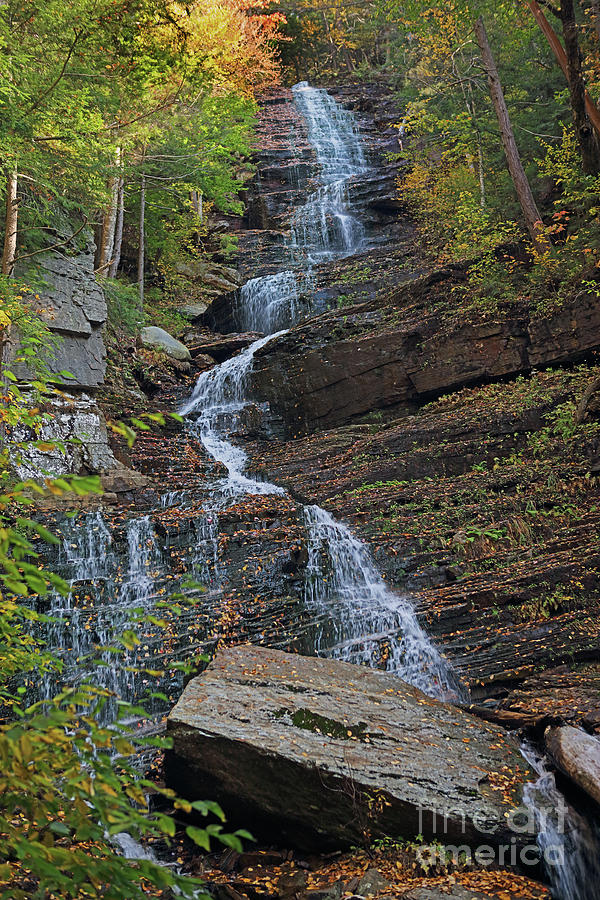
{"points": [[68, 785], [123, 303], [158, 310]]}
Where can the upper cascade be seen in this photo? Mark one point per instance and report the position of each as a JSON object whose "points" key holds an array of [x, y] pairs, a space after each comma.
{"points": [[325, 227]]}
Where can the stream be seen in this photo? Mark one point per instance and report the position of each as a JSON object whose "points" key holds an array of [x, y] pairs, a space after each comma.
{"points": [[120, 567]]}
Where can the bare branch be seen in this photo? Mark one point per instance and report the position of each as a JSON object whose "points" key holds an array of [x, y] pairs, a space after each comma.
{"points": [[54, 246]]}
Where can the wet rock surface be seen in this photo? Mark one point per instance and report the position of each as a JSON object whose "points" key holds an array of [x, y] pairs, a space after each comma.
{"points": [[219, 346], [273, 734], [482, 509]]}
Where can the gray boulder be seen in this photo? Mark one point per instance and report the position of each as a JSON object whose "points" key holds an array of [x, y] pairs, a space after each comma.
{"points": [[193, 311], [159, 339], [79, 425], [317, 754]]}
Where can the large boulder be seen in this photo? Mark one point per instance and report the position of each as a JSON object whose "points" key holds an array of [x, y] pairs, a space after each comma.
{"points": [[577, 755], [318, 753], [158, 339]]}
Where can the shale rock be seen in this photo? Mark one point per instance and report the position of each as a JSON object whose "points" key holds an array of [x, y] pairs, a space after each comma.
{"points": [[73, 306], [398, 351], [316, 753], [79, 425], [577, 754], [159, 339]]}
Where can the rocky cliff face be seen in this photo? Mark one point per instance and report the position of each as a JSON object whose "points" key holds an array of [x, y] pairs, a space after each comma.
{"points": [[404, 348], [72, 304]]}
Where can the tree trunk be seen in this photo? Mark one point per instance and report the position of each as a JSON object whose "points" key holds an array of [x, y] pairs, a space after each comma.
{"points": [[589, 110], [196, 198], [109, 221], [118, 243], [515, 166], [141, 248], [588, 140], [11, 224]]}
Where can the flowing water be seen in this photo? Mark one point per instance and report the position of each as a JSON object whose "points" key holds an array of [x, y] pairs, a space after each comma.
{"points": [[361, 619], [569, 842], [325, 227]]}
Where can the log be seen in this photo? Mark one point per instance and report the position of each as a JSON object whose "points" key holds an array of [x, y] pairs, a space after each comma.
{"points": [[577, 755]]}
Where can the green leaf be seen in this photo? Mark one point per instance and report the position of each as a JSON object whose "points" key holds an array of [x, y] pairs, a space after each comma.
{"points": [[199, 836]]}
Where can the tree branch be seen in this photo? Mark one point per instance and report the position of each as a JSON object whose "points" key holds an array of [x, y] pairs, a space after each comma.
{"points": [[551, 8], [60, 75], [54, 246]]}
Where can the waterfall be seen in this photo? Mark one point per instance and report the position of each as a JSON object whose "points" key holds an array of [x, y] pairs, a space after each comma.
{"points": [[361, 619], [569, 843], [107, 584], [218, 399], [367, 623], [323, 228]]}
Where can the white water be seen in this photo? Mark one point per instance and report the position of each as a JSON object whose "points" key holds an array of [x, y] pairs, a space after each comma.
{"points": [[361, 619], [107, 586], [218, 399], [569, 843], [369, 623], [323, 228]]}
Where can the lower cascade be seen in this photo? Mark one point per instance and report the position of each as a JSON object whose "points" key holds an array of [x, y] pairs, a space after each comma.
{"points": [[569, 843]]}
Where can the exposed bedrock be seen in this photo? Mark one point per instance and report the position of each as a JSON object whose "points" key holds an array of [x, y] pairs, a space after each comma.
{"points": [[72, 305], [395, 352], [318, 753]]}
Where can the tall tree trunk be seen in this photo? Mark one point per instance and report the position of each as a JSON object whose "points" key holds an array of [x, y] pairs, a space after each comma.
{"points": [[118, 243], [585, 112], [588, 140], [109, 221], [515, 166], [11, 223], [141, 243], [196, 198]]}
